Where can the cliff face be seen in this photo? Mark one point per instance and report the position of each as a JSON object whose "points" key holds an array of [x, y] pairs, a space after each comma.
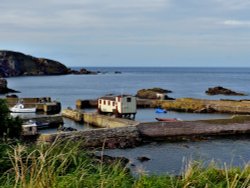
{"points": [[18, 64]]}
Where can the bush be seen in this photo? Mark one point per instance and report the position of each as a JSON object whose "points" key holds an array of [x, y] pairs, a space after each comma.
{"points": [[9, 127]]}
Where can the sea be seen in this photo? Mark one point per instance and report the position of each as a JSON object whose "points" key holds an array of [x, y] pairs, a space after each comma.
{"points": [[191, 82]]}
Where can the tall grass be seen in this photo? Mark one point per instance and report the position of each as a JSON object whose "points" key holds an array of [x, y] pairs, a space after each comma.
{"points": [[66, 164], [61, 164]]}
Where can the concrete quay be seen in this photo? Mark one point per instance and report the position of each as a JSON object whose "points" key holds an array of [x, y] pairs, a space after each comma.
{"points": [[131, 136], [206, 106], [101, 121], [185, 105]]}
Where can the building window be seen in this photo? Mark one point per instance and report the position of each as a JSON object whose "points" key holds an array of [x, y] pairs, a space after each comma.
{"points": [[113, 103], [109, 103], [104, 102], [128, 99], [100, 101]]}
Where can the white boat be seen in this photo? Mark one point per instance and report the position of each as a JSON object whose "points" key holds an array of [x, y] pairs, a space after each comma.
{"points": [[19, 108]]}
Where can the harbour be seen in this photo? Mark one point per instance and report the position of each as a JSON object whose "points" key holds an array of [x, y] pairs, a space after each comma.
{"points": [[144, 114]]}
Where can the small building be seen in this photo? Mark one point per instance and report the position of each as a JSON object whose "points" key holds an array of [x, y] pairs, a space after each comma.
{"points": [[29, 129], [121, 106]]}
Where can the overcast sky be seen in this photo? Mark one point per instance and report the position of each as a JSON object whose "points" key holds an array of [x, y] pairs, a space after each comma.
{"points": [[129, 33]]}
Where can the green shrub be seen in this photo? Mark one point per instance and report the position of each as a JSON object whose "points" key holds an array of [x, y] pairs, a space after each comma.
{"points": [[9, 127]]}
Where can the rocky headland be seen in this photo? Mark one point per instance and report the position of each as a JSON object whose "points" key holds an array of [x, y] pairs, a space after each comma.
{"points": [[19, 64], [4, 87]]}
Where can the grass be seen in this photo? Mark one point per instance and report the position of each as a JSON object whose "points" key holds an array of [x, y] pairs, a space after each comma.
{"points": [[66, 164]]}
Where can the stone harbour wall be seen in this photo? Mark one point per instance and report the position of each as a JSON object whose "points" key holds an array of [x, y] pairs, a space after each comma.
{"points": [[122, 137]]}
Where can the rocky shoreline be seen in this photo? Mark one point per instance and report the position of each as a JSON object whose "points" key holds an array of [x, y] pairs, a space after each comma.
{"points": [[4, 87]]}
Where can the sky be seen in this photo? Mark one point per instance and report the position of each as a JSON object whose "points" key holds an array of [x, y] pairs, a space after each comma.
{"points": [[169, 33]]}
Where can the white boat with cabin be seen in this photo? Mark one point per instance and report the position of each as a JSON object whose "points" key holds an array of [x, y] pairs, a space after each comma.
{"points": [[19, 108]]}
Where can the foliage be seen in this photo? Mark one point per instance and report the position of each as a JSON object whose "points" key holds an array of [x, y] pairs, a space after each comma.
{"points": [[66, 164], [9, 127]]}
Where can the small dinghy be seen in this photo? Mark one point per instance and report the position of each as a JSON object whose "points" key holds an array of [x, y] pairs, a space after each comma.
{"points": [[160, 110], [167, 119], [19, 108]]}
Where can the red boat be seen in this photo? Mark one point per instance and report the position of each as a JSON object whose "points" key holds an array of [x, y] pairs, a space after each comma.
{"points": [[167, 119]]}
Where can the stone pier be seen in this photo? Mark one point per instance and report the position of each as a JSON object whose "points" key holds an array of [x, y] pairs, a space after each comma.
{"points": [[98, 120], [130, 136]]}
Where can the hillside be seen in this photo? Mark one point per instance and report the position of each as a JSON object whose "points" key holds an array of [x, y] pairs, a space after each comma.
{"points": [[19, 64]]}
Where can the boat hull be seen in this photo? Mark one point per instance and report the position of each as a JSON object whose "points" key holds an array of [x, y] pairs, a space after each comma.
{"points": [[167, 119], [26, 110]]}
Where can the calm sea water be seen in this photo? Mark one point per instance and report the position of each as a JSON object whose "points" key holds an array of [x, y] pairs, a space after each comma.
{"points": [[173, 157], [184, 82]]}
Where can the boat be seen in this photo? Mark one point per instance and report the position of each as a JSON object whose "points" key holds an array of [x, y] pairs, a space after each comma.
{"points": [[167, 119], [160, 110], [19, 108]]}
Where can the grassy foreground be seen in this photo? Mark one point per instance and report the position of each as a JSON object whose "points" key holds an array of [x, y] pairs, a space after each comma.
{"points": [[66, 164]]}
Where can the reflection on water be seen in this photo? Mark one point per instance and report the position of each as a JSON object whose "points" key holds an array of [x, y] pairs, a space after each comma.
{"points": [[172, 157]]}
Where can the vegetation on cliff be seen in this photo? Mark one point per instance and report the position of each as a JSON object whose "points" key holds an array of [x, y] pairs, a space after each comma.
{"points": [[63, 164]]}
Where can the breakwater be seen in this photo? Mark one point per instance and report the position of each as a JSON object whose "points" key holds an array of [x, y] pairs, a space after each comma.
{"points": [[98, 120], [185, 105], [121, 137], [206, 106], [130, 136]]}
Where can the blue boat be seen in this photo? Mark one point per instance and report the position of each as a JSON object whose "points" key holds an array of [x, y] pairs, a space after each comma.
{"points": [[160, 110]]}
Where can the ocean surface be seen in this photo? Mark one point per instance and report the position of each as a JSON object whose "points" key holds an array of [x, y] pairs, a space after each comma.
{"points": [[184, 82], [173, 158]]}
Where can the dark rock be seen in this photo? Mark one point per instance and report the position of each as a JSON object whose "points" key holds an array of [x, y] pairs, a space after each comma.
{"points": [[160, 90], [4, 87], [222, 91], [143, 159], [19, 64], [81, 71], [12, 96], [118, 72], [154, 93]]}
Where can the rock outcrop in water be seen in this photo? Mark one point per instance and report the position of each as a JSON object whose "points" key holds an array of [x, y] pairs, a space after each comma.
{"points": [[4, 87], [222, 91], [19, 64], [154, 93], [82, 71]]}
